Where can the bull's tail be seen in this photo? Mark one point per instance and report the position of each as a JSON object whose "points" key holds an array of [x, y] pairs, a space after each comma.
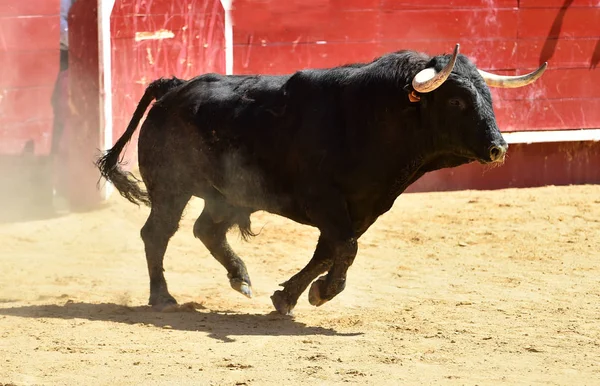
{"points": [[108, 164]]}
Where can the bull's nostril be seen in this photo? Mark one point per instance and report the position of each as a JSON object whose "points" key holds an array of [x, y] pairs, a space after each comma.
{"points": [[496, 153]]}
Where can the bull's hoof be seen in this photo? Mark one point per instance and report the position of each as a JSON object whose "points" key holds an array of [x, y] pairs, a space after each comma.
{"points": [[162, 302], [167, 308], [281, 303], [241, 286], [314, 294]]}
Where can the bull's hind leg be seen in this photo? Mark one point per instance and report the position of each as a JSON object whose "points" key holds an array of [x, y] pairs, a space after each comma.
{"points": [[211, 228], [159, 228]]}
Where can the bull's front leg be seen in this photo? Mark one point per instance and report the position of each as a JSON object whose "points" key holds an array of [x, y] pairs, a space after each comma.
{"points": [[285, 300], [335, 252], [328, 286]]}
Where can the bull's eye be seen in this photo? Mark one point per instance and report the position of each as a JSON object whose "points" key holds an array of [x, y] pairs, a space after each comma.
{"points": [[457, 102]]}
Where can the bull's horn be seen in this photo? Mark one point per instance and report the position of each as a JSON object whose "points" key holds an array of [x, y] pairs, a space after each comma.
{"points": [[506, 81], [429, 79]]}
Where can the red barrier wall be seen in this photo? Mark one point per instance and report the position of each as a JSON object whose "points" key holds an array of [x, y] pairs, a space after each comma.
{"points": [[508, 36]]}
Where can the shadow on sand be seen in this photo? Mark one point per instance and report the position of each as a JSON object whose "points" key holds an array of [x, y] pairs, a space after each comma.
{"points": [[219, 325]]}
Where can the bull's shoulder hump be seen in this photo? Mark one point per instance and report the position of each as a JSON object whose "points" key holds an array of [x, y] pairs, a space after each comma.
{"points": [[238, 83], [322, 78]]}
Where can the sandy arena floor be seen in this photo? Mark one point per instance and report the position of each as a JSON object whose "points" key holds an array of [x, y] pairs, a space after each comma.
{"points": [[483, 288]]}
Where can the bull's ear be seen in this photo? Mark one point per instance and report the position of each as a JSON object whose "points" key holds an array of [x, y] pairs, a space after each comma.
{"points": [[413, 96]]}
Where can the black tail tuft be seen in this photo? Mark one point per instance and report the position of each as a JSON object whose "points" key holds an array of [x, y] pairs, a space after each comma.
{"points": [[125, 182], [109, 164]]}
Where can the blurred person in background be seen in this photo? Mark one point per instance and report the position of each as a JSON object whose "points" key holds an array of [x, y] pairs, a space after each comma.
{"points": [[60, 105]]}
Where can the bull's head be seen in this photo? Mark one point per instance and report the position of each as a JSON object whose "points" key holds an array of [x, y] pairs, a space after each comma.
{"points": [[460, 110]]}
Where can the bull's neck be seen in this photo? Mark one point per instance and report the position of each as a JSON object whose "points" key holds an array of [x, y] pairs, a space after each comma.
{"points": [[409, 169]]}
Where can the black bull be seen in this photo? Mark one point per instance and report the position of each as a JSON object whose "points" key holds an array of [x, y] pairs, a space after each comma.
{"points": [[330, 148]]}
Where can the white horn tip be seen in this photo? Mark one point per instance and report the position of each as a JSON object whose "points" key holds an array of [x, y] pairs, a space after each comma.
{"points": [[541, 70]]}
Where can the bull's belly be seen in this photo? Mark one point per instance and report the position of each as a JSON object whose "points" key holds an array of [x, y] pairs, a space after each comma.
{"points": [[256, 193]]}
